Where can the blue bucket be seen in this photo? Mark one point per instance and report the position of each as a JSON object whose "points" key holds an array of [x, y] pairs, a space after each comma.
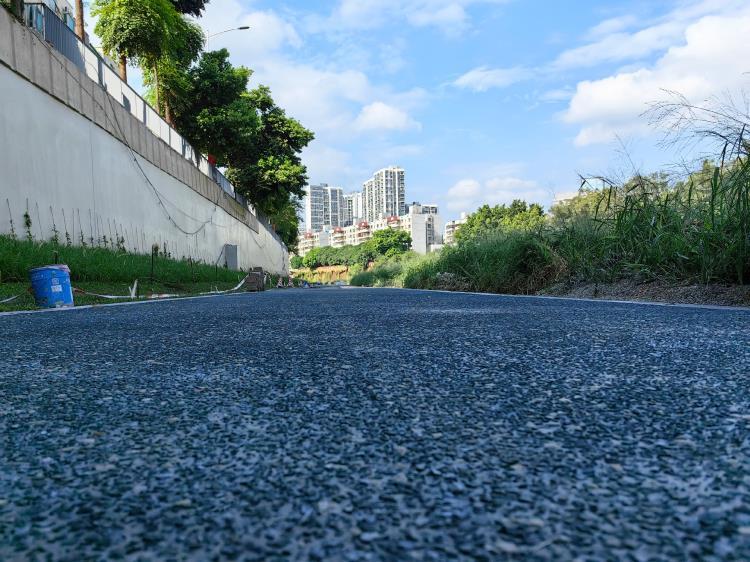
{"points": [[51, 286]]}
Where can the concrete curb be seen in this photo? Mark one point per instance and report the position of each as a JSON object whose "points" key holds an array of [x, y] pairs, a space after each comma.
{"points": [[111, 304], [579, 299]]}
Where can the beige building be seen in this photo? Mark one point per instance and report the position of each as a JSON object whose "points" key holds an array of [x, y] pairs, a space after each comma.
{"points": [[450, 229], [422, 223], [338, 237], [309, 240]]}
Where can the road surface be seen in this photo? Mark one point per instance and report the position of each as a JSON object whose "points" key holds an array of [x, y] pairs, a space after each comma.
{"points": [[345, 424]]}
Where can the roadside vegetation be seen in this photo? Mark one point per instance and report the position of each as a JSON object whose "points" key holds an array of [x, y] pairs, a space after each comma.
{"points": [[651, 227], [105, 271], [390, 246]]}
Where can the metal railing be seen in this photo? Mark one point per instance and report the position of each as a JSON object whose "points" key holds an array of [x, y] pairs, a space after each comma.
{"points": [[48, 25]]}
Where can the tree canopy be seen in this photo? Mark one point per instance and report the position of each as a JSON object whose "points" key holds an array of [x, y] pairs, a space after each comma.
{"points": [[273, 171], [134, 30], [390, 242], [191, 7], [214, 116], [519, 215], [167, 75], [248, 134]]}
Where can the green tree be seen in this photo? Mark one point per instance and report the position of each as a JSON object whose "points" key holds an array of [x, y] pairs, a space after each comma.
{"points": [[249, 134], [134, 30], [390, 242], [191, 7], [167, 75], [213, 117], [16, 7], [312, 258], [285, 221], [273, 171], [296, 262], [517, 216]]}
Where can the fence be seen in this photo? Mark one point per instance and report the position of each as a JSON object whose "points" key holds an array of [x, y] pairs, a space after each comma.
{"points": [[46, 23]]}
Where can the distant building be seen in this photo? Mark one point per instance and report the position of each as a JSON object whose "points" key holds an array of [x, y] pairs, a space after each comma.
{"points": [[451, 227], [418, 223], [353, 208], [309, 240], [384, 194], [334, 219], [324, 207], [429, 209]]}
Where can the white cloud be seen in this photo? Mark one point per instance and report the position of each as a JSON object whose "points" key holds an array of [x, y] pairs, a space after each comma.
{"points": [[450, 16], [469, 194], [325, 162], [621, 46], [334, 98], [711, 60], [483, 78], [610, 42], [381, 116], [612, 25], [557, 95]]}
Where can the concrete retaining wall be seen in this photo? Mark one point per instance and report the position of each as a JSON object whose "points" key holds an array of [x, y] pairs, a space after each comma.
{"points": [[77, 162]]}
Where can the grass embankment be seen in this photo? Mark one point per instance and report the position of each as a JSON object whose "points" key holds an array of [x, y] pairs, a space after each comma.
{"points": [[104, 271], [693, 232]]}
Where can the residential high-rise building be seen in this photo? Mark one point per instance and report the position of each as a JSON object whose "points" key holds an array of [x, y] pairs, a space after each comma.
{"points": [[353, 208], [324, 207], [384, 194]]}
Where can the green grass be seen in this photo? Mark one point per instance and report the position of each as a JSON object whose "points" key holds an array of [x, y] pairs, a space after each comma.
{"points": [[103, 265], [26, 300], [386, 272], [518, 263], [104, 271], [697, 231]]}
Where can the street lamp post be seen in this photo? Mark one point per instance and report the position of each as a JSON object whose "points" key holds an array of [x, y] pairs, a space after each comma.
{"points": [[241, 28]]}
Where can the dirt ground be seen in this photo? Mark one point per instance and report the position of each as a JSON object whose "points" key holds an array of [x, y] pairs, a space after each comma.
{"points": [[655, 291]]}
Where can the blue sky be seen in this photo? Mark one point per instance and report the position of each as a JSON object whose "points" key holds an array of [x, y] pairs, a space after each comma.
{"points": [[484, 100]]}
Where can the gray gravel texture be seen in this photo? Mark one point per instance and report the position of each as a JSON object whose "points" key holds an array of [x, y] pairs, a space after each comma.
{"points": [[371, 424]]}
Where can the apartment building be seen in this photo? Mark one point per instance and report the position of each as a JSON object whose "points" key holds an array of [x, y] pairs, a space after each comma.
{"points": [[421, 223], [324, 207], [353, 208], [384, 194], [450, 229]]}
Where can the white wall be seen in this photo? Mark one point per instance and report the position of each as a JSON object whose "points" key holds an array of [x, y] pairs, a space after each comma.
{"points": [[64, 167]]}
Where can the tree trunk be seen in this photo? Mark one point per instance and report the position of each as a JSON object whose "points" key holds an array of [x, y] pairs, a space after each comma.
{"points": [[123, 67], [156, 90], [168, 113], [79, 21]]}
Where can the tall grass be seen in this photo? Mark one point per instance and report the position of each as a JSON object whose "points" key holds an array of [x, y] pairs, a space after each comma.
{"points": [[98, 264], [515, 262], [695, 231], [386, 272]]}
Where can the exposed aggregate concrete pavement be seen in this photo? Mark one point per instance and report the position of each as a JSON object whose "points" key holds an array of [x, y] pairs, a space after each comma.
{"points": [[375, 425]]}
